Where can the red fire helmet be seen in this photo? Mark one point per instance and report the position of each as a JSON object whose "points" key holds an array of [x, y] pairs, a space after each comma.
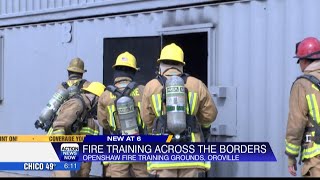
{"points": [[308, 48]]}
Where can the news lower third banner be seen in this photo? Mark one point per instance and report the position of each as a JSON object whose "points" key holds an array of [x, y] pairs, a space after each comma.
{"points": [[40, 166], [47, 153]]}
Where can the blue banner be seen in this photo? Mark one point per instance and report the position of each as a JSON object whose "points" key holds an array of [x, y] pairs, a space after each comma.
{"points": [[126, 138], [140, 148], [40, 166]]}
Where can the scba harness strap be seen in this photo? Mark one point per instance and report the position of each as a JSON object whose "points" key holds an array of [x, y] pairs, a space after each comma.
{"points": [[126, 92], [120, 93], [160, 123]]}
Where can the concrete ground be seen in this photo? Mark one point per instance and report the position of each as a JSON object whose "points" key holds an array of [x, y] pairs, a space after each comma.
{"points": [[8, 174], [13, 174]]}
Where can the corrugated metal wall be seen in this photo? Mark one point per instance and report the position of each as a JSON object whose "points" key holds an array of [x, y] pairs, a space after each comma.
{"points": [[35, 11], [34, 6], [253, 48]]}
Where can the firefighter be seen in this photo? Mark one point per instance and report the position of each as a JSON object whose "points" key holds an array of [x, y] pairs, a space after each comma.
{"points": [[76, 114], [303, 131], [124, 92], [75, 74], [162, 116], [75, 78]]}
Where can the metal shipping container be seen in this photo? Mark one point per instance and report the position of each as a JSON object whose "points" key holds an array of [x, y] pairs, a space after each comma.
{"points": [[242, 50]]}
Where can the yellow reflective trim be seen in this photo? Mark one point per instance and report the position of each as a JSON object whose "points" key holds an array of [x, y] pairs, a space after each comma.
{"points": [[314, 87], [135, 92], [293, 146], [50, 131], [194, 103], [86, 133], [69, 83], [206, 125], [292, 149], [114, 118], [156, 102], [111, 118], [112, 96], [122, 162], [153, 99], [117, 162], [316, 107], [162, 164], [193, 139], [311, 152], [187, 107], [87, 130], [140, 122], [72, 82], [159, 104], [148, 166], [309, 105], [139, 118], [58, 132]]}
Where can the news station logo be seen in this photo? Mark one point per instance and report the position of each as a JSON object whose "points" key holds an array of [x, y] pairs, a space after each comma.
{"points": [[69, 152]]}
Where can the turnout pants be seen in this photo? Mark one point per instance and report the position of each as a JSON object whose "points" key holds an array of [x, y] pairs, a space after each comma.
{"points": [[311, 167], [107, 170], [178, 173], [83, 172], [128, 170]]}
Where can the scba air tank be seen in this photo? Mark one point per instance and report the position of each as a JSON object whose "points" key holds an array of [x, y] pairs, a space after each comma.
{"points": [[52, 107], [127, 116], [175, 105], [72, 90]]}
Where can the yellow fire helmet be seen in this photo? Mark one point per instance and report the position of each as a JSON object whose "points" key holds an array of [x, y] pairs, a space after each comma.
{"points": [[76, 65], [126, 59], [96, 88], [172, 52]]}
